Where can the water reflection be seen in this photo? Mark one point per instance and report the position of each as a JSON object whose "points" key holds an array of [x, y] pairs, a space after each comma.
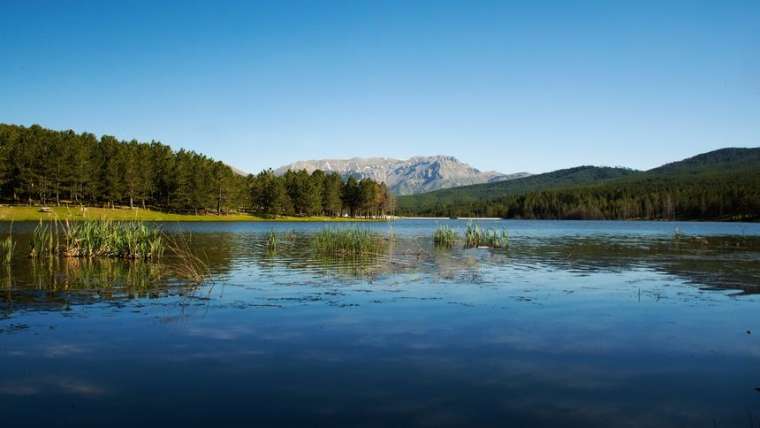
{"points": [[721, 262], [572, 329]]}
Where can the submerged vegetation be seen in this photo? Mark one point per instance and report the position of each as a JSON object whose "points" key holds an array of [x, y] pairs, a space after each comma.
{"points": [[349, 242], [444, 237], [97, 238], [476, 236]]}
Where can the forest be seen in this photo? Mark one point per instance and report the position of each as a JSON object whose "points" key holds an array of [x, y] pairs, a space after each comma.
{"points": [[719, 185], [48, 167]]}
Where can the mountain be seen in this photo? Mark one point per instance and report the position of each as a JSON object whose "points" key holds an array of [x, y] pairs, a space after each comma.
{"points": [[723, 185], [405, 177], [564, 177], [716, 160]]}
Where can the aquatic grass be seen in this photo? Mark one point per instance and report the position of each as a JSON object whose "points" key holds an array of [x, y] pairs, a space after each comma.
{"points": [[105, 238], [271, 241], [43, 241], [97, 238], [188, 265], [476, 236], [7, 246], [444, 237], [348, 242]]}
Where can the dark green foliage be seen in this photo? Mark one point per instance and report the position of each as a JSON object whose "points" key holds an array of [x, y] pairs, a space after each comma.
{"points": [[467, 195], [45, 166], [724, 185], [331, 193], [303, 194], [63, 167]]}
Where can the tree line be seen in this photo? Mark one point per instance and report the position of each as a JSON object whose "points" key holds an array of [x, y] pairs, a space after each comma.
{"points": [[729, 195], [44, 166]]}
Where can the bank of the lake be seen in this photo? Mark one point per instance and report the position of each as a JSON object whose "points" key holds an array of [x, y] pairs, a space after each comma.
{"points": [[36, 213]]}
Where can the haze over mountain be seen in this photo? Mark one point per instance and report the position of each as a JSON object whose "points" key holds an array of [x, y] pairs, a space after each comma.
{"points": [[405, 177]]}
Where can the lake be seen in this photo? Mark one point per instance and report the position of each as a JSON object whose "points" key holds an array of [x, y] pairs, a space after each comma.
{"points": [[576, 324]]}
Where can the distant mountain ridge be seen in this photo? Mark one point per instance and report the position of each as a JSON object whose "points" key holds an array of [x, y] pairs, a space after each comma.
{"points": [[405, 177], [580, 175], [722, 184]]}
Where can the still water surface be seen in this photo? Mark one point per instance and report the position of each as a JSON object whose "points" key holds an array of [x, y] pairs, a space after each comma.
{"points": [[577, 324]]}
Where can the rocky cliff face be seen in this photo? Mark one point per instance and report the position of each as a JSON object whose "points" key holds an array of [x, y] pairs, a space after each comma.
{"points": [[415, 175]]}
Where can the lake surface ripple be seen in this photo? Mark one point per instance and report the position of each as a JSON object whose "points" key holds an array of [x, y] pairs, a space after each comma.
{"points": [[577, 324]]}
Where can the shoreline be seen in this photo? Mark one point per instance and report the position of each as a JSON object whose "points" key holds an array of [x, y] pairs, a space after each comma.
{"points": [[33, 213], [16, 213]]}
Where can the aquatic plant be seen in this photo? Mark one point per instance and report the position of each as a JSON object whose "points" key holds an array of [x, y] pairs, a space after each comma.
{"points": [[188, 265], [104, 238], [348, 242], [444, 237], [7, 246], [271, 241], [97, 238], [43, 241], [476, 236]]}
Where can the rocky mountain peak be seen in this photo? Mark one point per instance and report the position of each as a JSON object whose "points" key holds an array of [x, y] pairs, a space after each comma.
{"points": [[417, 174]]}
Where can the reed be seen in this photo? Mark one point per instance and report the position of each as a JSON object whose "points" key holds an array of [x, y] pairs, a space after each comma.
{"points": [[104, 238], [43, 241], [97, 238], [271, 241], [7, 246], [476, 236], [189, 266], [348, 242], [444, 237]]}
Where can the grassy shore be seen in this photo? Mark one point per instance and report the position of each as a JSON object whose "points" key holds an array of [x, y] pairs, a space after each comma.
{"points": [[25, 213]]}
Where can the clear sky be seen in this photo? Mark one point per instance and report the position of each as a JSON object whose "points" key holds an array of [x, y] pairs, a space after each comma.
{"points": [[530, 86]]}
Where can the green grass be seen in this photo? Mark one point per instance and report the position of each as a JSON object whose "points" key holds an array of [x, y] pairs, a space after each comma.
{"points": [[26, 213], [348, 242], [444, 237], [476, 236]]}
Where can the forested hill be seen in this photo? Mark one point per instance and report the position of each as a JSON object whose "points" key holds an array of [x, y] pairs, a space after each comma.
{"points": [[44, 166], [721, 185], [715, 161], [479, 192]]}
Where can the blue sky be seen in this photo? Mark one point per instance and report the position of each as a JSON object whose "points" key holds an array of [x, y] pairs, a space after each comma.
{"points": [[529, 86]]}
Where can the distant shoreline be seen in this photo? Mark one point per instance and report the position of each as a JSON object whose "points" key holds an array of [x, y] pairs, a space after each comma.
{"points": [[75, 213], [20, 213], [447, 218]]}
